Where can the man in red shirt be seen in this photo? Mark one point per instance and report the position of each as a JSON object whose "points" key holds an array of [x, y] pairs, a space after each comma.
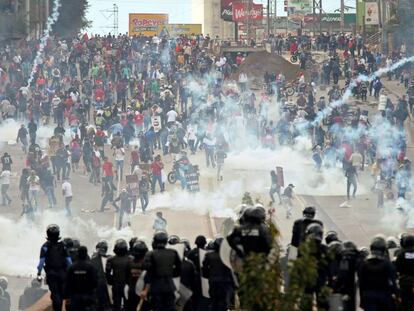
{"points": [[108, 172], [134, 158], [156, 168]]}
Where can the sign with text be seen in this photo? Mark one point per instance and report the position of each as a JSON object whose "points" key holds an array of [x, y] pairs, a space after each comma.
{"points": [[226, 10], [243, 11], [146, 23], [176, 30]]}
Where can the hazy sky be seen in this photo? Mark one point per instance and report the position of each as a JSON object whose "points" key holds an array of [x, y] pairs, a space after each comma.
{"points": [[179, 11]]}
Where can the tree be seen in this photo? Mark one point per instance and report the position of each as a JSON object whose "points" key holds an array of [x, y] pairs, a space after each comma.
{"points": [[261, 277], [72, 17]]}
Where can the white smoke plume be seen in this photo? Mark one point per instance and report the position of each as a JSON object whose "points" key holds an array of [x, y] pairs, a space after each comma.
{"points": [[361, 78], [52, 19]]}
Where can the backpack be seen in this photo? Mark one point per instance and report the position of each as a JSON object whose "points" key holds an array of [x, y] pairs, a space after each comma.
{"points": [[55, 258]]}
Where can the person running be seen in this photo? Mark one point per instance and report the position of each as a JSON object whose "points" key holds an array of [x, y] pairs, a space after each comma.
{"points": [[274, 187], [287, 200], [68, 195]]}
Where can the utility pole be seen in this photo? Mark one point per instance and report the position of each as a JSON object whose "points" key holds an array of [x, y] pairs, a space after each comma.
{"points": [[115, 21], [317, 4], [342, 15]]}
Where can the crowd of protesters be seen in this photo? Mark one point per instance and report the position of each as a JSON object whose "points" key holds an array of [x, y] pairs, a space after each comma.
{"points": [[107, 97]]}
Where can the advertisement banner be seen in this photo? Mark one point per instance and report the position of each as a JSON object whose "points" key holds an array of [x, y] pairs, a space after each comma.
{"points": [[176, 30], [299, 6], [226, 10], [242, 11], [371, 13], [146, 23]]}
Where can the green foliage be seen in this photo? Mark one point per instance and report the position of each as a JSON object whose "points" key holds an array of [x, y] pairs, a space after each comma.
{"points": [[261, 279], [72, 19]]}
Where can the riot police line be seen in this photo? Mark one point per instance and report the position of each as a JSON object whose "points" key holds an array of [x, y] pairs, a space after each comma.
{"points": [[172, 276]]}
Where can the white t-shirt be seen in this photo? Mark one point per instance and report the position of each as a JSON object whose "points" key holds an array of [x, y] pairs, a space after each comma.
{"points": [[34, 182], [67, 189], [119, 154], [5, 177], [172, 116]]}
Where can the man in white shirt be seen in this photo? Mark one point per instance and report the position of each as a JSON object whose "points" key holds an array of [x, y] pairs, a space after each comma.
{"points": [[119, 155], [34, 187], [5, 184], [171, 117], [243, 81], [67, 194]]}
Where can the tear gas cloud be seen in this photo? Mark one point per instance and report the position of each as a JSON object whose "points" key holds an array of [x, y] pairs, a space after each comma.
{"points": [[21, 239]]}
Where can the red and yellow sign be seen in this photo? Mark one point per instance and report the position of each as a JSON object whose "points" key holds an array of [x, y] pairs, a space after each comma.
{"points": [[146, 23]]}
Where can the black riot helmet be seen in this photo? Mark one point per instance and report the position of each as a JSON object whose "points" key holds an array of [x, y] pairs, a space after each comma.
{"points": [[53, 233], [407, 241], [121, 247], [331, 236], [132, 242], [335, 248], [309, 212], [392, 242], [378, 246], [349, 246], [102, 248], [256, 214], [160, 240], [244, 211], [200, 241], [174, 239], [217, 243], [315, 231], [139, 249], [68, 242]]}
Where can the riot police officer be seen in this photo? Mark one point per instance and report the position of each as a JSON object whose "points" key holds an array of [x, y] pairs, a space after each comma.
{"points": [[346, 278], [81, 283], [314, 236], [377, 279], [221, 286], [253, 235], [405, 268], [135, 269], [162, 265], [300, 226], [99, 259], [115, 270], [55, 259]]}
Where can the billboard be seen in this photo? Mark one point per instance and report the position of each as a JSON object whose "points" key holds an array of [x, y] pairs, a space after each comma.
{"points": [[242, 11], [146, 23], [176, 30], [300, 6], [371, 13], [226, 10]]}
